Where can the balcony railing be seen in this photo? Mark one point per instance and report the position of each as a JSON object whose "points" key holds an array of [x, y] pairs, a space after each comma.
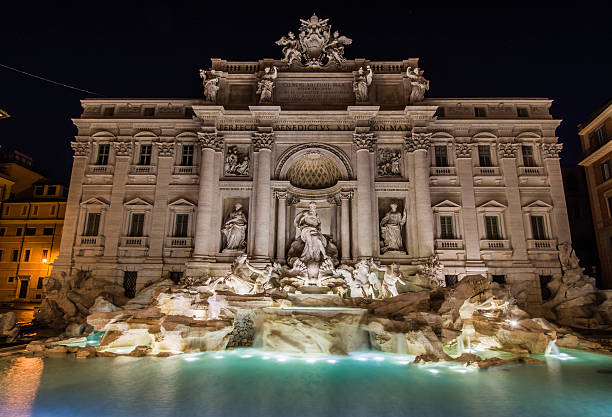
{"points": [[143, 169], [449, 244], [549, 244], [100, 170], [91, 240], [531, 171], [486, 171], [442, 171], [134, 241], [494, 244], [179, 242], [186, 169]]}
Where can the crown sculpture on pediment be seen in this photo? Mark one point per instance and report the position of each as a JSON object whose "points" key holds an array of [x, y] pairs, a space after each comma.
{"points": [[315, 45]]}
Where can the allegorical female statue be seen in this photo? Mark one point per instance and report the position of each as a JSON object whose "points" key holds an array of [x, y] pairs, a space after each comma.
{"points": [[391, 229], [361, 84], [234, 229], [266, 84]]}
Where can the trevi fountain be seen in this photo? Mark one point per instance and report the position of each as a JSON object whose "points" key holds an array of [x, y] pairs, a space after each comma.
{"points": [[366, 301]]}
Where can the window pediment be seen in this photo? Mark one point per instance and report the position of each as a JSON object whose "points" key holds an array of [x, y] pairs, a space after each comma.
{"points": [[95, 202], [538, 205], [138, 203], [491, 205], [446, 205]]}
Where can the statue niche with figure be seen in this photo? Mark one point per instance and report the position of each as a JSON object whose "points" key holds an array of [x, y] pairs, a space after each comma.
{"points": [[311, 251]]}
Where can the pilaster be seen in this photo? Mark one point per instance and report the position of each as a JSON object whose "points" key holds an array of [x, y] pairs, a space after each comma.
{"points": [[165, 161], [551, 152]]}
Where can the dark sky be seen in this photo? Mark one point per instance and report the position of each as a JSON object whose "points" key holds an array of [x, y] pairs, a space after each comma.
{"points": [[150, 49]]}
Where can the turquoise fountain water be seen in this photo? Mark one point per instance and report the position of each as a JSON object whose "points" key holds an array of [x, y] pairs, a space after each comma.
{"points": [[250, 382]]}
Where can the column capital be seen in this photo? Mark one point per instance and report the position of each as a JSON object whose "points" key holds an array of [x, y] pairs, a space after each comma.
{"points": [[81, 148], [364, 141], [123, 148], [262, 140], [551, 150], [508, 150], [345, 194], [212, 141], [281, 194], [334, 199], [417, 142], [463, 150], [165, 149], [292, 200]]}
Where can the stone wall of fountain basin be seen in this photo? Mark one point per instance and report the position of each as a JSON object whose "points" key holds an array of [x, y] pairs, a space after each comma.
{"points": [[431, 325]]}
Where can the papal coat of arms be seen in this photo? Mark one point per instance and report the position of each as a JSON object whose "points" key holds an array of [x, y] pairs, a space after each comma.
{"points": [[316, 46]]}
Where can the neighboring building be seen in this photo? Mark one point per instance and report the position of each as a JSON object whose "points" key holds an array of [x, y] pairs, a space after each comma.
{"points": [[30, 233], [154, 180], [595, 137], [580, 218], [20, 169]]}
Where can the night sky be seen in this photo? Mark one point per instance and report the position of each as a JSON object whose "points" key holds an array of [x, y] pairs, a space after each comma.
{"points": [[150, 49]]}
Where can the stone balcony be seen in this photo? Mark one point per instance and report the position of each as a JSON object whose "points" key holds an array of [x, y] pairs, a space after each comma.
{"points": [[185, 170], [449, 244], [134, 242], [494, 244], [91, 241], [442, 171], [89, 245], [536, 244], [143, 169], [100, 170], [531, 171], [487, 172], [179, 242]]}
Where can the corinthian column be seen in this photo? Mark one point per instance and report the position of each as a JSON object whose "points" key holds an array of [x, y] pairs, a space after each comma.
{"points": [[419, 144], [209, 143], [345, 225], [551, 151], [365, 145], [262, 145], [281, 220]]}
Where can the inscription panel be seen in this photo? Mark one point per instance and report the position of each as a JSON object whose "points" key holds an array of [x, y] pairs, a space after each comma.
{"points": [[290, 92]]}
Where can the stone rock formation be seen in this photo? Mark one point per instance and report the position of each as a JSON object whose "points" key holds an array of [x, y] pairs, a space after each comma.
{"points": [[8, 327]]}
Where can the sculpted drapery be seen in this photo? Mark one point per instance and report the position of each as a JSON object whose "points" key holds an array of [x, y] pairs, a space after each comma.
{"points": [[234, 229], [391, 229]]}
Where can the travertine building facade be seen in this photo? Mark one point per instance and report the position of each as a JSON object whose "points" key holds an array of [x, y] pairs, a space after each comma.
{"points": [[155, 183], [597, 147]]}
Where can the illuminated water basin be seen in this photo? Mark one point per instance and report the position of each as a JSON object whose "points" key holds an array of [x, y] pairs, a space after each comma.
{"points": [[250, 382]]}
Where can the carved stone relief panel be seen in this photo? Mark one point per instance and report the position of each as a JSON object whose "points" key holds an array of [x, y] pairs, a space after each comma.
{"points": [[237, 161], [389, 162]]}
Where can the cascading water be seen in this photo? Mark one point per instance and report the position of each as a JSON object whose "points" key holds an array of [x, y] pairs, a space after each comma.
{"points": [[552, 349], [460, 346]]}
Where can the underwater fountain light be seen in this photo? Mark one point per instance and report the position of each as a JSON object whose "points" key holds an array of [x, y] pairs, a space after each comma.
{"points": [[218, 356], [331, 361], [379, 358], [433, 371], [513, 322], [246, 356]]}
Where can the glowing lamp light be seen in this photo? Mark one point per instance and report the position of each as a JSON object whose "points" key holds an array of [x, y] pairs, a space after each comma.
{"points": [[513, 322], [45, 260]]}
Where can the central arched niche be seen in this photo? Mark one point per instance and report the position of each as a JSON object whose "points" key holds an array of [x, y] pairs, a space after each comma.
{"points": [[313, 166], [313, 171]]}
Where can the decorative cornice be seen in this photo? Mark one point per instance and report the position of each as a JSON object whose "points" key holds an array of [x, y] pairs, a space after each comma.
{"points": [[364, 141], [123, 148], [417, 142], [508, 150], [80, 148], [210, 141], [551, 150], [262, 140], [165, 149], [463, 150]]}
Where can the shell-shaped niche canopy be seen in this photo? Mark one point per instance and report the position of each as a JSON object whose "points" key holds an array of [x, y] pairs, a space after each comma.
{"points": [[313, 171]]}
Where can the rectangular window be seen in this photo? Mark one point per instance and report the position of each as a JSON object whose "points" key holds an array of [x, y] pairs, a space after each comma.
{"points": [[48, 231], [145, 155], [11, 279], [92, 225], [492, 227], [39, 285], [137, 224], [108, 112], [52, 212], [30, 231], [149, 111], [610, 206], [484, 155], [26, 255], [537, 227], [480, 112], [129, 283], [35, 211], [606, 171], [500, 279], [24, 210], [522, 112], [45, 254], [103, 152], [600, 136], [0, 254], [18, 231], [441, 156], [2, 231], [6, 210], [15, 256], [187, 157], [39, 190], [446, 227], [180, 228], [51, 190], [528, 159]]}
